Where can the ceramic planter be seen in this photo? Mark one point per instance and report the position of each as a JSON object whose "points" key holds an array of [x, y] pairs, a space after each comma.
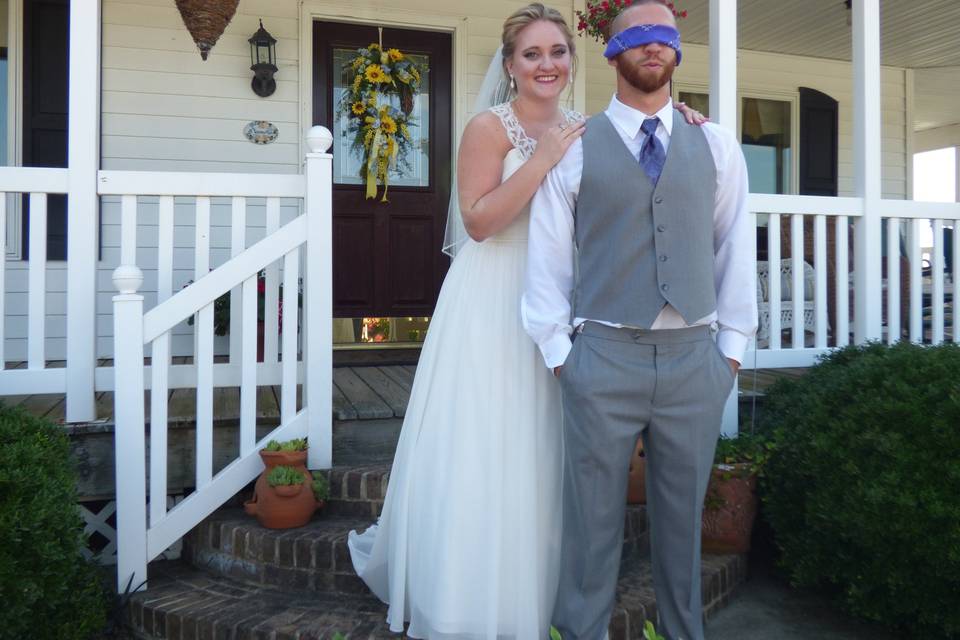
{"points": [[729, 509], [284, 506]]}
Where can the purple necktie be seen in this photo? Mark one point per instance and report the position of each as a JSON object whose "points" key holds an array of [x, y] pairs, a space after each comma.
{"points": [[652, 154]]}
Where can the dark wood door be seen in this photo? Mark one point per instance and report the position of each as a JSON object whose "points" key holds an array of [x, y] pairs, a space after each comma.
{"points": [[387, 258], [46, 49]]}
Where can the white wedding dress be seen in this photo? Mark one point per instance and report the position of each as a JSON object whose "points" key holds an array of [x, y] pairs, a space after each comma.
{"points": [[468, 543]]}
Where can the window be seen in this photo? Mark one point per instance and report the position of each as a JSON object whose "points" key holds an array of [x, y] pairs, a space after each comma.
{"points": [[765, 127], [347, 161], [766, 135]]}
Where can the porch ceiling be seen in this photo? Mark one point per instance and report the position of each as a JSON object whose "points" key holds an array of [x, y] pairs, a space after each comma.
{"points": [[921, 35]]}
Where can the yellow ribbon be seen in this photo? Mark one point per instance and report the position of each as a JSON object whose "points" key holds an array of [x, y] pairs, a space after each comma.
{"points": [[372, 154]]}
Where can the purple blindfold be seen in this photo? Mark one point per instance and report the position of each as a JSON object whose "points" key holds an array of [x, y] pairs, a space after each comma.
{"points": [[642, 35]]}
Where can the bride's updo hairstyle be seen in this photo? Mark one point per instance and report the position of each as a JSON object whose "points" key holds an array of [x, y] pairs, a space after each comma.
{"points": [[527, 15]]}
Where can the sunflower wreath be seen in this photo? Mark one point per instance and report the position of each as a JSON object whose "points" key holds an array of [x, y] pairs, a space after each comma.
{"points": [[381, 131]]}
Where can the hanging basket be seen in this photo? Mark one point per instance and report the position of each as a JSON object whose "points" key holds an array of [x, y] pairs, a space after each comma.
{"points": [[206, 20]]}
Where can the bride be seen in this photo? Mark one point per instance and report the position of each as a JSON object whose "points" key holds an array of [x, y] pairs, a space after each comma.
{"points": [[467, 545]]}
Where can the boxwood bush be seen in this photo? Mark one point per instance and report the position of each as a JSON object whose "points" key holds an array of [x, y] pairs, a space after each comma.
{"points": [[862, 488], [48, 589]]}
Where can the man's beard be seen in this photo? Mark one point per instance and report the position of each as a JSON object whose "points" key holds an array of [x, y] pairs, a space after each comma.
{"points": [[643, 80]]}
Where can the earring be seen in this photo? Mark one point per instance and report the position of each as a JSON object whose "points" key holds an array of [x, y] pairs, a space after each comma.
{"points": [[513, 83]]}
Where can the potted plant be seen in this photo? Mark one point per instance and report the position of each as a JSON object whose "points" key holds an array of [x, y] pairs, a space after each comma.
{"points": [[730, 506], [285, 481], [221, 310], [279, 501]]}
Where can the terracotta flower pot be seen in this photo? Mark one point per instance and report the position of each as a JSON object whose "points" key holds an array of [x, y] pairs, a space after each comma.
{"points": [[288, 490], [271, 507], [729, 509], [637, 483]]}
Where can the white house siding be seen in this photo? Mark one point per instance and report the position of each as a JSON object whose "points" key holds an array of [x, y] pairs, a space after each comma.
{"points": [[760, 73]]}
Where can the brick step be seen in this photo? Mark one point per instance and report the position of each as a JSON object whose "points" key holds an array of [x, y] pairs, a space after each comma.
{"points": [[184, 602], [313, 557]]}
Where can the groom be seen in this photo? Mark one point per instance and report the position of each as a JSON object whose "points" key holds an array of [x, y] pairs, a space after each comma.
{"points": [[640, 252]]}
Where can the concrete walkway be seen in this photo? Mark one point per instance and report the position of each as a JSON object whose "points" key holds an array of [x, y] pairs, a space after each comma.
{"points": [[766, 608]]}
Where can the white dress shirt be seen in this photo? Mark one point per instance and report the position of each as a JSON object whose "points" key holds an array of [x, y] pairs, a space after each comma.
{"points": [[545, 306]]}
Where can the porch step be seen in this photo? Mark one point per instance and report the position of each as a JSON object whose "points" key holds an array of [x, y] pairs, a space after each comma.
{"points": [[184, 602], [314, 557]]}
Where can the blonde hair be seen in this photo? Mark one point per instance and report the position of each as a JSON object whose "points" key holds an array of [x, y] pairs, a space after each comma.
{"points": [[524, 17]]}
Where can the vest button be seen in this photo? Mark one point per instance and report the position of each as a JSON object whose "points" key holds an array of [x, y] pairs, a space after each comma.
{"points": [[663, 258], [661, 228], [665, 287], [658, 199]]}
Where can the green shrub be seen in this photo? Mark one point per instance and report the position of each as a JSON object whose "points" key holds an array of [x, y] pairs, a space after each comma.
{"points": [[48, 589], [862, 488], [284, 475]]}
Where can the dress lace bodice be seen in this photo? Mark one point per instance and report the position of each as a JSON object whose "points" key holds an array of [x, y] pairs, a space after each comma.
{"points": [[523, 148], [515, 133]]}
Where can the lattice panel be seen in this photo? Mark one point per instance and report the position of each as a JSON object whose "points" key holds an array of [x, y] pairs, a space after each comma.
{"points": [[101, 533]]}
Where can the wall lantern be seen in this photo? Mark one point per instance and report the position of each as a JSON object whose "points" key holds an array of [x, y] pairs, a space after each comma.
{"points": [[263, 62]]}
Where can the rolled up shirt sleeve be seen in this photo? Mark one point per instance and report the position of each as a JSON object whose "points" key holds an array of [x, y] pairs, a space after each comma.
{"points": [[545, 305]]}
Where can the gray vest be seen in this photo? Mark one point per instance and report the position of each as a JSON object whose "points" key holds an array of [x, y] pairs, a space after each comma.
{"points": [[639, 247]]}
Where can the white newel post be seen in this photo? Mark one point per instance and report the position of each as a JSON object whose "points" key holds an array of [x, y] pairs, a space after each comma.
{"points": [[129, 445], [318, 298], [723, 111], [82, 203], [867, 169]]}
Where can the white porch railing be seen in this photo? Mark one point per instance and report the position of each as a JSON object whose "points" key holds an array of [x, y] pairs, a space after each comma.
{"points": [[142, 535], [37, 184], [818, 322]]}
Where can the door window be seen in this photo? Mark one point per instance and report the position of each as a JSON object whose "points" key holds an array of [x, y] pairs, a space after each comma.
{"points": [[348, 160]]}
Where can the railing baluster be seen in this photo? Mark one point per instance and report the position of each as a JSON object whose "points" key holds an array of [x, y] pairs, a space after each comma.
{"points": [[820, 286], [128, 229], [291, 295], [271, 297], [248, 362], [916, 283], [238, 242], [842, 282], [893, 280], [204, 352], [3, 265], [773, 278], [159, 370], [955, 276], [37, 279], [796, 287], [936, 277]]}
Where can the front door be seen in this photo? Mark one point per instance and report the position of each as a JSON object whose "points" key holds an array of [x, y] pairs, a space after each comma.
{"points": [[387, 258]]}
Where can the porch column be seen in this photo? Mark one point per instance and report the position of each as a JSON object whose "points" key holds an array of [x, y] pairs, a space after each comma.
{"points": [[956, 180], [867, 172], [723, 111], [83, 161], [723, 63]]}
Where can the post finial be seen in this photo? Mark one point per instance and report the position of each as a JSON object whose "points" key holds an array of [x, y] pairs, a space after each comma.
{"points": [[127, 278], [319, 139]]}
